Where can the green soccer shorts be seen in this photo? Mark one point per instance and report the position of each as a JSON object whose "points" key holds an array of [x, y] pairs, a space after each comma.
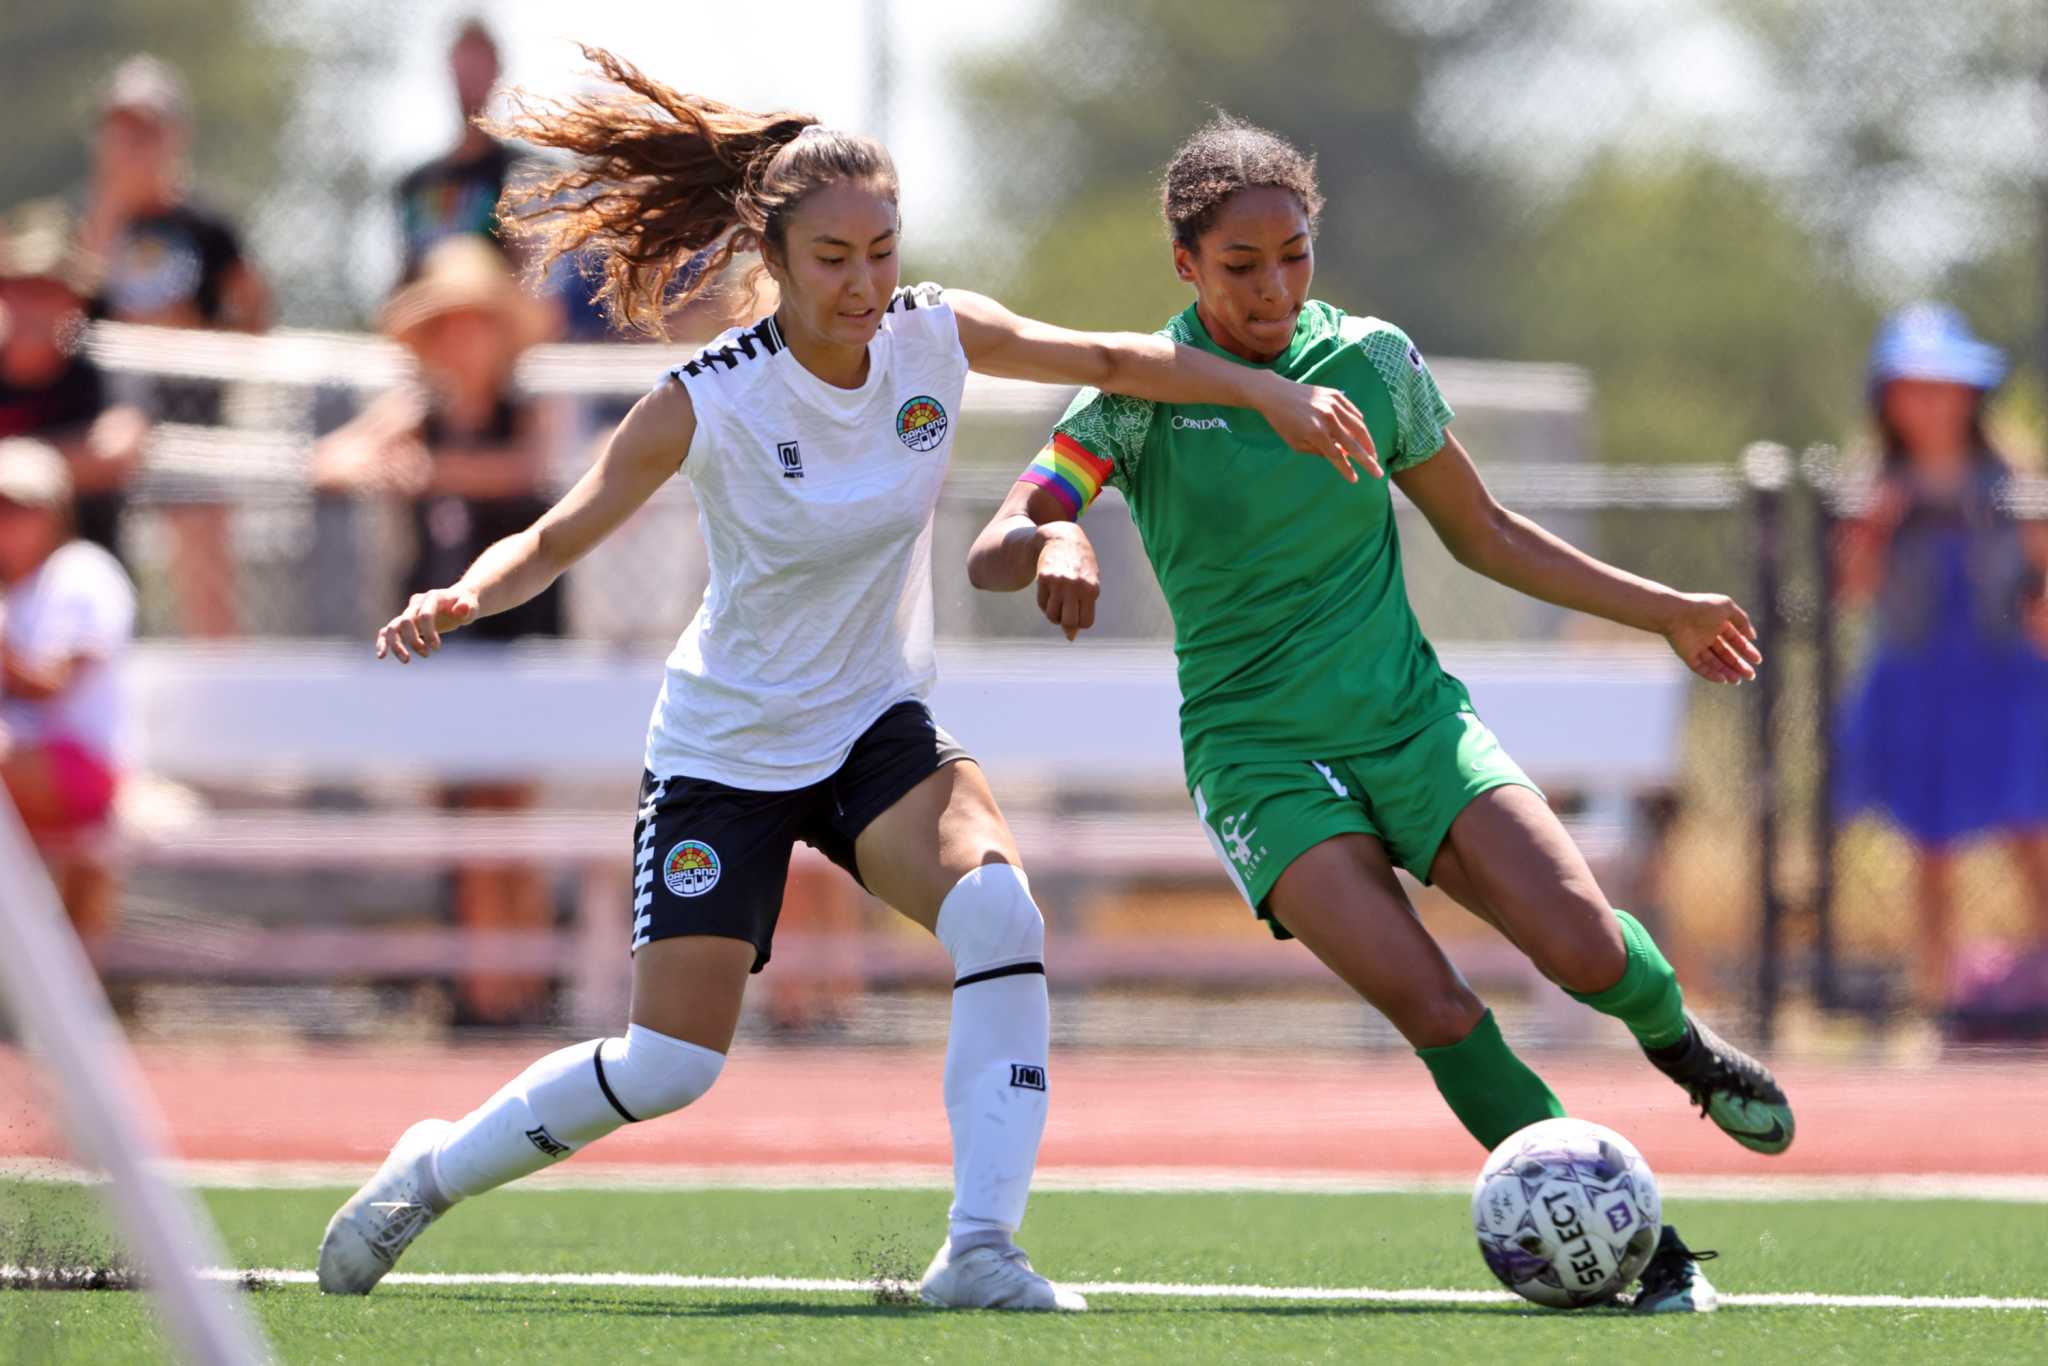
{"points": [[1262, 816]]}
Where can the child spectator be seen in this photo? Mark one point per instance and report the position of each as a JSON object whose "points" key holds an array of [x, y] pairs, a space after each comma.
{"points": [[1947, 733], [469, 454], [65, 621]]}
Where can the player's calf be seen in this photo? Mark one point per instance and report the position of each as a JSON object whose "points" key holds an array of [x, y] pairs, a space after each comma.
{"points": [[564, 1101], [996, 1052], [568, 1099]]}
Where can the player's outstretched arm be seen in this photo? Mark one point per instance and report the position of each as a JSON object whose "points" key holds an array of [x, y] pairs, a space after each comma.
{"points": [[1033, 538], [647, 448], [1711, 633], [1309, 418]]}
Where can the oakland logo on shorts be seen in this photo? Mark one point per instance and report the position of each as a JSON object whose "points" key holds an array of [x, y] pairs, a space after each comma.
{"points": [[921, 423], [691, 868]]}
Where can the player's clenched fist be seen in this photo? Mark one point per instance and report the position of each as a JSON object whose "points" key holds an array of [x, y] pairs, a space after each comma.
{"points": [[1067, 578], [428, 617]]}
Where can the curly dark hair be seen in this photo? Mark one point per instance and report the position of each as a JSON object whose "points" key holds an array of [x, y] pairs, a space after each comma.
{"points": [[1226, 155], [668, 187]]}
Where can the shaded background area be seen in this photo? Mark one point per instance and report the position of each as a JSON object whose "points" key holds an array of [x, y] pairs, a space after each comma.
{"points": [[1635, 239]]}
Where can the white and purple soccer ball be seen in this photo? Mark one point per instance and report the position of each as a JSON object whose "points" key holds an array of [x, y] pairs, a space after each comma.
{"points": [[1567, 1213]]}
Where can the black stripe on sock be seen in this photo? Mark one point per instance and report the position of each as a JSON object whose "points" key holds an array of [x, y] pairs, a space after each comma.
{"points": [[1015, 969], [597, 1058]]}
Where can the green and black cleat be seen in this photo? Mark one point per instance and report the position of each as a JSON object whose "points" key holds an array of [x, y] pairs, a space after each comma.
{"points": [[1672, 1282], [1731, 1088]]}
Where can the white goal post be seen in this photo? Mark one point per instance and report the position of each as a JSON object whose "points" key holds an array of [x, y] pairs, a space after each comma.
{"points": [[107, 1111]]}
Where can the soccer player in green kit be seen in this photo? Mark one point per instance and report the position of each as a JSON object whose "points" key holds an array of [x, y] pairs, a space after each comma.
{"points": [[1324, 743]]}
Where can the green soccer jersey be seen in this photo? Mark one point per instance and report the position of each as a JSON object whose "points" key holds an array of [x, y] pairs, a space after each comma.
{"points": [[1290, 614]]}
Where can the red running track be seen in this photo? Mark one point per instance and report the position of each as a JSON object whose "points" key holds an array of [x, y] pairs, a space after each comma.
{"points": [[1367, 1115]]}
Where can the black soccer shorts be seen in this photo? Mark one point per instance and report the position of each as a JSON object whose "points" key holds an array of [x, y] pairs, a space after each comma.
{"points": [[712, 859]]}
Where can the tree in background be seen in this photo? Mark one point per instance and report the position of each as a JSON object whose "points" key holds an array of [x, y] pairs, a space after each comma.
{"points": [[55, 59], [1707, 317], [1927, 137], [274, 92], [1083, 120], [1902, 143], [1707, 202]]}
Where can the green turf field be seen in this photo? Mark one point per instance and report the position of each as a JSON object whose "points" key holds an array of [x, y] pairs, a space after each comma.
{"points": [[1907, 1248]]}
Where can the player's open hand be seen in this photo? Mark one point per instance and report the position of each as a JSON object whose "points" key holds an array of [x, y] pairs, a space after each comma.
{"points": [[428, 617], [1068, 583], [1713, 636], [1325, 422]]}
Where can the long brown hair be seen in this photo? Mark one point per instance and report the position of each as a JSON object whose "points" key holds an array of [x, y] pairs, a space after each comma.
{"points": [[667, 188]]}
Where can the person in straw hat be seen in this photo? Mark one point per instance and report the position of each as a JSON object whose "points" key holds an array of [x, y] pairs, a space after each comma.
{"points": [[66, 617], [468, 453], [462, 445]]}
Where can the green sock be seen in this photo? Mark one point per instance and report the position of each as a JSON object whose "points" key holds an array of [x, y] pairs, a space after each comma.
{"points": [[1647, 998], [1491, 1091]]}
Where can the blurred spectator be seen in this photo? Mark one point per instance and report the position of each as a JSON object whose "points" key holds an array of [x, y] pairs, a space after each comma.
{"points": [[171, 264], [69, 612], [458, 191], [469, 453], [1948, 731], [49, 387]]}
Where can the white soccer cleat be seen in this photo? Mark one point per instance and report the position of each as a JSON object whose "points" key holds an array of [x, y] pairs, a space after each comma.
{"points": [[366, 1235], [992, 1278], [1673, 1282]]}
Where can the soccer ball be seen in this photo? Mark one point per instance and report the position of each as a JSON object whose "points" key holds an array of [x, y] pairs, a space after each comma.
{"points": [[1567, 1213]]}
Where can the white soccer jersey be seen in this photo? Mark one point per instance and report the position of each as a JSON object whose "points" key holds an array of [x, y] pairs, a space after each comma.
{"points": [[78, 603], [816, 509]]}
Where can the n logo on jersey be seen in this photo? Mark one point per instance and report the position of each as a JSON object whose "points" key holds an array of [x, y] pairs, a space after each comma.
{"points": [[792, 459]]}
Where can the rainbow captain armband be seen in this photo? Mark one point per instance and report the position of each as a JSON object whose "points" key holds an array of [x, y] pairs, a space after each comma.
{"points": [[1069, 471]]}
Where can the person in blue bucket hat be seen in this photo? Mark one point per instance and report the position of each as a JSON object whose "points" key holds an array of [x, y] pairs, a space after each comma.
{"points": [[1946, 732]]}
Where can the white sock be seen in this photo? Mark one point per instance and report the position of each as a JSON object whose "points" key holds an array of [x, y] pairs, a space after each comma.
{"points": [[995, 1051], [566, 1100]]}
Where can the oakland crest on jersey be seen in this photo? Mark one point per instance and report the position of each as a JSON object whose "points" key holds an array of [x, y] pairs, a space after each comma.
{"points": [[921, 423]]}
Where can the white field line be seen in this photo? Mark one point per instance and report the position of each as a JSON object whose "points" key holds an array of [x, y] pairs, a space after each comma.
{"points": [[625, 1176], [1162, 1289], [1150, 1289]]}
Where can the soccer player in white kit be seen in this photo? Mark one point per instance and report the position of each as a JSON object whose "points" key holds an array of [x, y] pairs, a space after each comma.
{"points": [[817, 441]]}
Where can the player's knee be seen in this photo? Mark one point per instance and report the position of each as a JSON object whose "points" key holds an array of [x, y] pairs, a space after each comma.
{"points": [[648, 1074], [989, 922], [1587, 962], [1439, 1019]]}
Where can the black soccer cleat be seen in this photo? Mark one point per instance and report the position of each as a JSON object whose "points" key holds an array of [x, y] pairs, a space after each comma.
{"points": [[1673, 1283], [1731, 1088]]}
